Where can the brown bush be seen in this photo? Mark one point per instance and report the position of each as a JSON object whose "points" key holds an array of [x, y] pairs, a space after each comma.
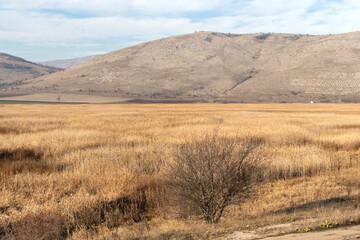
{"points": [[19, 154], [9, 168], [24, 160], [208, 174], [42, 225], [126, 209]]}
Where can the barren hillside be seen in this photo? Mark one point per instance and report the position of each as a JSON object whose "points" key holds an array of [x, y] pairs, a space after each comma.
{"points": [[14, 71], [210, 66]]}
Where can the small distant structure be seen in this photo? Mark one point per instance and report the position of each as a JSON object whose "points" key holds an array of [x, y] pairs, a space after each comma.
{"points": [[311, 102]]}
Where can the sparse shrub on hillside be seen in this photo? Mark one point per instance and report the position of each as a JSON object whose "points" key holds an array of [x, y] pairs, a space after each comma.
{"points": [[262, 36], [208, 174]]}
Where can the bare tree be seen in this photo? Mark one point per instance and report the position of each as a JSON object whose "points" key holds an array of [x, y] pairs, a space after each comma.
{"points": [[208, 174]]}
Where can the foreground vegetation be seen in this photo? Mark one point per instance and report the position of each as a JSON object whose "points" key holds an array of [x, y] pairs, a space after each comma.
{"points": [[80, 171]]}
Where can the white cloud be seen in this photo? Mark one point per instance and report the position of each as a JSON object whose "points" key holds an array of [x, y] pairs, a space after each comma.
{"points": [[160, 6], [251, 16], [308, 16], [263, 7], [118, 6], [45, 28], [58, 23]]}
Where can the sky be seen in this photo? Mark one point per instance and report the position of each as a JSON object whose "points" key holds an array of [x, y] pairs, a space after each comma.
{"points": [[41, 30]]}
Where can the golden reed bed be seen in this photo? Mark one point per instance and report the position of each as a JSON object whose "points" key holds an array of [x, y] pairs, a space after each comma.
{"points": [[74, 171]]}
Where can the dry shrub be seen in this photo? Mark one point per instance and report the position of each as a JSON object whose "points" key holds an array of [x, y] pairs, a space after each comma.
{"points": [[208, 174], [42, 225], [24, 160], [9, 168], [346, 126], [6, 130], [3, 232], [19, 154], [126, 209]]}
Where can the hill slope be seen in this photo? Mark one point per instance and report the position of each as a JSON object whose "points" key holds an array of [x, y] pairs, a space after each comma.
{"points": [[67, 63], [14, 71], [208, 66]]}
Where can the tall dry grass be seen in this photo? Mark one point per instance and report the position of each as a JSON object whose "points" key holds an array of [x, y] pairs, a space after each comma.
{"points": [[99, 169]]}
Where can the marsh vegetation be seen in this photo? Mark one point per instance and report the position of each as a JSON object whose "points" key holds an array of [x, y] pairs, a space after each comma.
{"points": [[116, 171]]}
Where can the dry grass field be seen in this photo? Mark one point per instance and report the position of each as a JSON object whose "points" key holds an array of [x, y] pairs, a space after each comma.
{"points": [[99, 171]]}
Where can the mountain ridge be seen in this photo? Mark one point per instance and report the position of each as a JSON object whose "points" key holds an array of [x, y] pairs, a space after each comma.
{"points": [[67, 63], [220, 67]]}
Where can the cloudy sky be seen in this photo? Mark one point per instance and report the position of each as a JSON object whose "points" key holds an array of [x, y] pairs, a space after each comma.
{"points": [[40, 30]]}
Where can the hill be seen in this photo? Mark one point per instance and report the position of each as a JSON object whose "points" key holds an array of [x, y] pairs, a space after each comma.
{"points": [[66, 63], [218, 67], [14, 71]]}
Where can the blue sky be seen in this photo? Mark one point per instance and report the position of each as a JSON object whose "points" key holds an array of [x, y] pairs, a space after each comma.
{"points": [[40, 30]]}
